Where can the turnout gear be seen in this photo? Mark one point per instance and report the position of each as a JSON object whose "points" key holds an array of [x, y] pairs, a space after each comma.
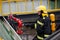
{"points": [[42, 25], [43, 28]]}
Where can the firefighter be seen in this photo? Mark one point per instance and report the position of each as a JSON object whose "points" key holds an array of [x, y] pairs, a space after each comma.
{"points": [[42, 25]]}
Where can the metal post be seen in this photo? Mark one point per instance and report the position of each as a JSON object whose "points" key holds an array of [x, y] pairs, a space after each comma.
{"points": [[40, 2], [17, 5], [48, 4], [25, 5], [9, 6], [32, 5], [1, 7], [55, 4]]}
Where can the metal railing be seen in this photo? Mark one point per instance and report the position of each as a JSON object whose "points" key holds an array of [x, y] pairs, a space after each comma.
{"points": [[18, 2], [14, 35]]}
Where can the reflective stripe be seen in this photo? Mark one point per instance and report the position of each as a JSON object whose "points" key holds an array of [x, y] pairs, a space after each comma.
{"points": [[40, 37], [46, 35], [35, 25], [40, 23], [43, 17]]}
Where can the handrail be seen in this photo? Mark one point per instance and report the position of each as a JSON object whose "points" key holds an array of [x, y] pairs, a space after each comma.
{"points": [[24, 13], [25, 5], [14, 1], [15, 35]]}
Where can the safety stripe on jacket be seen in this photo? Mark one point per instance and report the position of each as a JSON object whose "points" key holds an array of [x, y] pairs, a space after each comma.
{"points": [[40, 23], [41, 38], [46, 35], [35, 25]]}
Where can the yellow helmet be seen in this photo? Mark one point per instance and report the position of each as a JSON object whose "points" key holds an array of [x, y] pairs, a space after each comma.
{"points": [[44, 14], [41, 7]]}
